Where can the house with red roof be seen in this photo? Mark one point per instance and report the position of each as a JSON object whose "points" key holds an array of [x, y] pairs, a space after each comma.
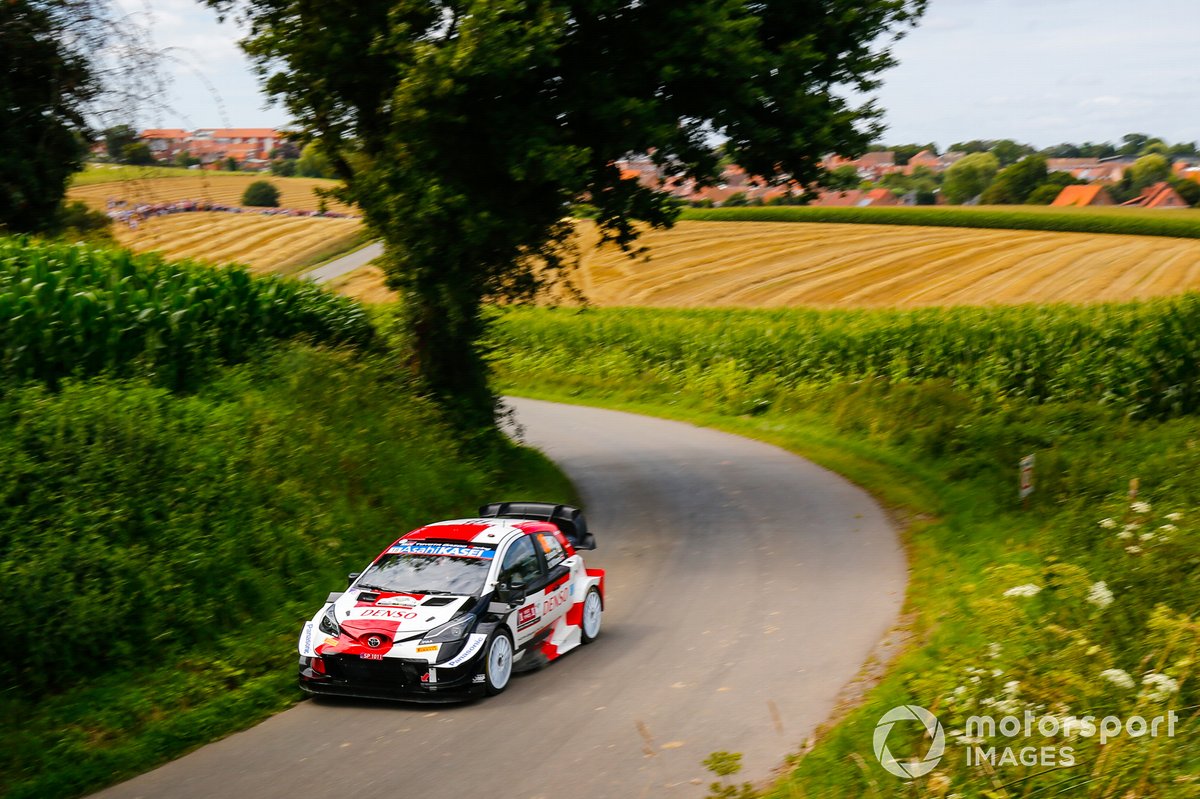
{"points": [[1080, 196], [165, 143], [856, 198], [1160, 195]]}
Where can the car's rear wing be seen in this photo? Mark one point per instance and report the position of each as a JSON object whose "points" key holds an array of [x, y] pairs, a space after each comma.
{"points": [[567, 519]]}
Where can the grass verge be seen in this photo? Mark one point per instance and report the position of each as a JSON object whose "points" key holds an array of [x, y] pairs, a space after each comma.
{"points": [[1081, 604]]}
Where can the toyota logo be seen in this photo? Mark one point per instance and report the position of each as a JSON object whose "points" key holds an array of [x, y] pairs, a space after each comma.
{"points": [[374, 641]]}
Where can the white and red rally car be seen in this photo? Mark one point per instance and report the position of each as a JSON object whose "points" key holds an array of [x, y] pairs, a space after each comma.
{"points": [[450, 609]]}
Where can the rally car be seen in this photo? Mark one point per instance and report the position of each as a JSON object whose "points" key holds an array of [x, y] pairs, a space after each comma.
{"points": [[449, 610]]}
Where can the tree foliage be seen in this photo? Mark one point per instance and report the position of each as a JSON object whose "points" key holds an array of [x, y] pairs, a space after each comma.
{"points": [[261, 194], [969, 176], [44, 84], [1015, 183], [465, 128], [1148, 170]]}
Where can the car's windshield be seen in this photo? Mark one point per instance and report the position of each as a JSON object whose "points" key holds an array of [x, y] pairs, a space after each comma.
{"points": [[423, 567]]}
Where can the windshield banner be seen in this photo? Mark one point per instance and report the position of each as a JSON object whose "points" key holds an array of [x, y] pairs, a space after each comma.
{"points": [[445, 550]]}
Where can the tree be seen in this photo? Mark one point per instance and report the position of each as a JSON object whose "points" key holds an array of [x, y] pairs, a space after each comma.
{"points": [[136, 153], [1015, 183], [262, 194], [313, 163], [1148, 170], [843, 178], [1189, 190], [1009, 152], [969, 176], [464, 130], [45, 84], [1132, 143], [117, 138]]}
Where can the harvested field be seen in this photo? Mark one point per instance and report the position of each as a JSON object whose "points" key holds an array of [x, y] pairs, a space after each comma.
{"points": [[769, 264], [263, 243], [222, 188]]}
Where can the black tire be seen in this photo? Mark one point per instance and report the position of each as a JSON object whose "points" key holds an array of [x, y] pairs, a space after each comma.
{"points": [[592, 604], [497, 662]]}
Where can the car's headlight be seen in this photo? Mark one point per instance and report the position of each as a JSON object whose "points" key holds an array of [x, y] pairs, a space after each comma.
{"points": [[329, 624], [450, 631]]}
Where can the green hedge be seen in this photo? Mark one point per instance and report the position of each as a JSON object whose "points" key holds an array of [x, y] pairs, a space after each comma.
{"points": [[1178, 224]]}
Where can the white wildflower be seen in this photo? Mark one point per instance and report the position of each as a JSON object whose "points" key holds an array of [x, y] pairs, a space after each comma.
{"points": [[1100, 595], [1140, 507], [1134, 550], [1159, 687], [1027, 590], [1146, 536], [1108, 524], [1174, 517], [1117, 677], [1170, 528], [1012, 687], [994, 649], [997, 672], [1131, 527], [1125, 535]]}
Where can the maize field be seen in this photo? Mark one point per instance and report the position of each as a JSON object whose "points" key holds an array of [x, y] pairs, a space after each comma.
{"points": [[1143, 358], [77, 311]]}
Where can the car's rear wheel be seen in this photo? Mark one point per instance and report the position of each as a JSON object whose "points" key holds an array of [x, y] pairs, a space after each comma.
{"points": [[593, 613], [498, 663]]}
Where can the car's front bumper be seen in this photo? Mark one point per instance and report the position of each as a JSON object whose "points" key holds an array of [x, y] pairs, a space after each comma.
{"points": [[390, 678]]}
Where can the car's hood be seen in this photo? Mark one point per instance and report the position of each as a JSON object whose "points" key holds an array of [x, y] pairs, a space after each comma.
{"points": [[397, 615]]}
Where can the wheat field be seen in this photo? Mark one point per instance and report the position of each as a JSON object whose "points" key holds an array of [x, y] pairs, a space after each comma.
{"points": [[769, 264], [263, 243], [222, 188]]}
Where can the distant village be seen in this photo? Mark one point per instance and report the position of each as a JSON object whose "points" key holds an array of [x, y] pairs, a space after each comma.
{"points": [[1142, 172]]}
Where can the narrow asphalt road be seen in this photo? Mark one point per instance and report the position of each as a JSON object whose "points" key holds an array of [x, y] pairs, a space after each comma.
{"points": [[347, 263], [746, 586]]}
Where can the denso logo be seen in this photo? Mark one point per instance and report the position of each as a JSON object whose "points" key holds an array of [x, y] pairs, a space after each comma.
{"points": [[556, 600], [383, 613]]}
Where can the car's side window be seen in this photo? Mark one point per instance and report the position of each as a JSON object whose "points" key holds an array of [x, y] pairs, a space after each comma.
{"points": [[555, 554], [520, 563]]}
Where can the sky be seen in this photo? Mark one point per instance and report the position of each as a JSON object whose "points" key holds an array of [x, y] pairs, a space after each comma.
{"points": [[1038, 71]]}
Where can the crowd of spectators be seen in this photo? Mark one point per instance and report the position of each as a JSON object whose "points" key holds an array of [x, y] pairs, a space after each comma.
{"points": [[122, 211]]}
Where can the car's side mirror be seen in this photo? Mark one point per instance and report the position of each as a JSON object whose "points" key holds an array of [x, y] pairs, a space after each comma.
{"points": [[352, 576], [587, 542], [512, 594]]}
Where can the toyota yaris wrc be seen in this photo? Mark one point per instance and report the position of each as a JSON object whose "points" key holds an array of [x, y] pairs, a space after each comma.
{"points": [[449, 610]]}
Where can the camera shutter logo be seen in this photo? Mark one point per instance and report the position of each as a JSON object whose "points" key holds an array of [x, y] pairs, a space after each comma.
{"points": [[933, 728]]}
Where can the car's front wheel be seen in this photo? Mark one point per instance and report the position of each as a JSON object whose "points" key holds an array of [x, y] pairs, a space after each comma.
{"points": [[498, 663], [593, 613]]}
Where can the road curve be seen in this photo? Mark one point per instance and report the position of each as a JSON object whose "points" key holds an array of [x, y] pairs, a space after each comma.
{"points": [[746, 587], [347, 263]]}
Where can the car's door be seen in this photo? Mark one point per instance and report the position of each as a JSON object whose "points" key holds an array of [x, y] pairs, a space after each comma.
{"points": [[556, 595], [523, 566]]}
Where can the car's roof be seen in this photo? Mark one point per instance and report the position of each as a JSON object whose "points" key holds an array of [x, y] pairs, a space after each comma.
{"points": [[492, 531]]}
